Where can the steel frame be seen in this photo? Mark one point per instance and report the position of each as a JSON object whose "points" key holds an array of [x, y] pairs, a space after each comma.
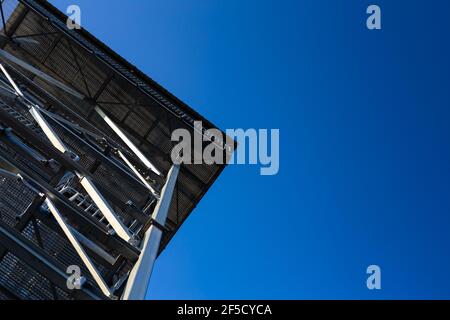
{"points": [[47, 193], [85, 181], [47, 160], [139, 276]]}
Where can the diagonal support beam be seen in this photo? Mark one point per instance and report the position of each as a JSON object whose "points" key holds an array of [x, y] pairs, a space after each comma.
{"points": [[121, 230], [49, 132], [136, 172], [79, 249], [139, 278], [127, 141]]}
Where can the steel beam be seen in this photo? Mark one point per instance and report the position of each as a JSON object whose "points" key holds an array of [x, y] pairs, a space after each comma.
{"points": [[139, 278], [79, 249], [127, 141], [136, 172]]}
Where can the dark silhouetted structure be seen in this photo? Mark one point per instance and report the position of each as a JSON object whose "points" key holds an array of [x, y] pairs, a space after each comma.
{"points": [[86, 177]]}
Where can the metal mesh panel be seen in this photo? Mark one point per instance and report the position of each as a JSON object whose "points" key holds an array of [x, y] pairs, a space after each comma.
{"points": [[15, 198], [26, 283], [31, 27], [24, 162]]}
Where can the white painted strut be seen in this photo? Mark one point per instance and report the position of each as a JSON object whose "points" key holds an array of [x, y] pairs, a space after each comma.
{"points": [[136, 172], [127, 141], [139, 278], [79, 249]]}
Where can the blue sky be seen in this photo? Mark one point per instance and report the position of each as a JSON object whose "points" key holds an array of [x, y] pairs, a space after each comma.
{"points": [[364, 160]]}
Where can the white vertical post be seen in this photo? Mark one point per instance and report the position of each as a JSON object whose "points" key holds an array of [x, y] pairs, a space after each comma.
{"points": [[139, 278]]}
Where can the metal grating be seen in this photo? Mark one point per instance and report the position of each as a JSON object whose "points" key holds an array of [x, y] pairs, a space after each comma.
{"points": [[26, 283]]}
